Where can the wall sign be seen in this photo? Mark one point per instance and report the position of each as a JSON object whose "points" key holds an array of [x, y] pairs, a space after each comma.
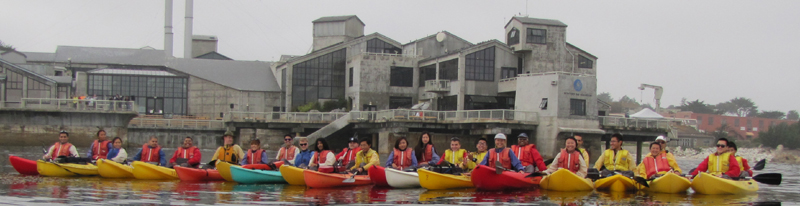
{"points": [[578, 85]]}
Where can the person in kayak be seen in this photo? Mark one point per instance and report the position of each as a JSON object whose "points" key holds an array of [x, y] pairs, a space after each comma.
{"points": [[528, 154], [616, 159], [255, 155], [569, 158], [745, 169], [61, 148], [656, 163], [347, 156], [151, 153], [721, 163], [323, 156], [584, 152], [228, 152], [455, 155], [288, 152], [402, 157], [100, 146], [475, 158], [500, 153], [366, 157], [117, 153], [187, 155], [425, 152], [304, 156], [661, 140]]}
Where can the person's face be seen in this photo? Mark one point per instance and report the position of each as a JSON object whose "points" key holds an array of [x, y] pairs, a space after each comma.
{"points": [[254, 147], [523, 141], [364, 146], [455, 146], [320, 145], [153, 142], [662, 143], [731, 150], [287, 141], [499, 143], [482, 147], [570, 145], [615, 143], [304, 144], [579, 140], [722, 146], [426, 139], [118, 143], [187, 143], [654, 150], [63, 138], [353, 145], [102, 135], [403, 144], [228, 140]]}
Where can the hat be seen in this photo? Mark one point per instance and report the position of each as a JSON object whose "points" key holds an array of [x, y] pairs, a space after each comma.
{"points": [[228, 133], [523, 135], [353, 139], [500, 136], [661, 137]]}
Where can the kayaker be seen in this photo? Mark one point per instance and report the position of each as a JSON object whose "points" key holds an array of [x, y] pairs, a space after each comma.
{"points": [[366, 157], [425, 152], [721, 164], [569, 158], [117, 153], [528, 154], [616, 159], [288, 152], [661, 140], [304, 156], [475, 158], [323, 156], [61, 148], [100, 146], [348, 155], [228, 152], [402, 157], [187, 155], [656, 164], [745, 169], [506, 157], [455, 155], [584, 152], [151, 153], [255, 155]]}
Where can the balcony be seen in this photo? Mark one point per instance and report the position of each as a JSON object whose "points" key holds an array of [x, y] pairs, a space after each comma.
{"points": [[442, 85], [634, 123]]}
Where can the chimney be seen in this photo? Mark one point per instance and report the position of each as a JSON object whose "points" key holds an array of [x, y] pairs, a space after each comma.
{"points": [[203, 44], [168, 28], [187, 36]]}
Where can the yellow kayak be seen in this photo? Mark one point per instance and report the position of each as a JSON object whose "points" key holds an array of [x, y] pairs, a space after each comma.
{"points": [[224, 169], [147, 171], [438, 181], [565, 181], [669, 183], [52, 169], [111, 169], [616, 183], [705, 183], [293, 175]]}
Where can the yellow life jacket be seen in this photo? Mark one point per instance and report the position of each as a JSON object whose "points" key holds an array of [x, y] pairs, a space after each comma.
{"points": [[718, 164], [741, 165], [227, 154], [618, 162], [456, 158]]}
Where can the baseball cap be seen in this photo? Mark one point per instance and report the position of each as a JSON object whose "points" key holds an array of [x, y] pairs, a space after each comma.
{"points": [[661, 137], [523, 135], [500, 136], [353, 139]]}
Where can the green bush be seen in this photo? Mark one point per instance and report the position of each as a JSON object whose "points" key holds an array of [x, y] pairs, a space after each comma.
{"points": [[308, 107], [782, 134]]}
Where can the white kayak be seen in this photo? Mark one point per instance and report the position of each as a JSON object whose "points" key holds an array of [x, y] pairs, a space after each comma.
{"points": [[401, 179]]}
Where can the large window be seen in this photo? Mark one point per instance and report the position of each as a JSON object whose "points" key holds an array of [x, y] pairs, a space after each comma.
{"points": [[427, 73], [402, 77], [166, 94], [400, 102], [14, 80], [513, 36], [480, 65], [577, 107], [584, 62], [448, 70], [537, 36], [378, 46], [38, 89], [447, 103], [351, 77], [319, 78], [508, 72]]}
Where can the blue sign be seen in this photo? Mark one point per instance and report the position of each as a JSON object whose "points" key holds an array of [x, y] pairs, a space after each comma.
{"points": [[578, 85]]}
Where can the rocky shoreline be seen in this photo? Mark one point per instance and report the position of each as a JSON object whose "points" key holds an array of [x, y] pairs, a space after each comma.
{"points": [[778, 155]]}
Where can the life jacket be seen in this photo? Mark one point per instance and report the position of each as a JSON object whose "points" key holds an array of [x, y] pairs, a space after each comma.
{"points": [[402, 158], [254, 157], [618, 162], [283, 154], [455, 157], [186, 153], [504, 159], [427, 154], [228, 155], [585, 155], [61, 150], [523, 153], [656, 165], [151, 154], [718, 164], [350, 155], [570, 161], [321, 157], [100, 149]]}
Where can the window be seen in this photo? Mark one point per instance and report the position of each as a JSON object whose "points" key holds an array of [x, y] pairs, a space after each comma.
{"points": [[508, 72], [724, 121], [537, 36], [448, 70], [402, 77], [736, 122], [699, 120], [513, 36], [14, 80], [749, 123], [426, 73], [378, 46], [543, 105], [761, 123], [447, 103], [480, 65], [400, 102], [577, 107], [584, 62], [710, 120], [322, 77], [351, 76], [171, 90]]}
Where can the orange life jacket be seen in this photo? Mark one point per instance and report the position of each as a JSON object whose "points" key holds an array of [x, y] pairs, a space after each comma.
{"points": [[655, 165], [350, 155], [504, 159], [524, 153], [288, 155], [321, 157], [187, 153], [254, 157], [427, 154], [570, 161], [402, 158], [151, 154], [100, 149], [60, 150]]}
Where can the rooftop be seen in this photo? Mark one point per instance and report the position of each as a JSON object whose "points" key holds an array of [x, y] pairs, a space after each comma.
{"points": [[337, 19], [528, 20]]}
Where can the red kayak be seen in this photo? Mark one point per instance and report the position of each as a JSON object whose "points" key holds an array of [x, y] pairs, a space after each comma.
{"points": [[378, 176], [485, 178], [23, 166], [316, 179], [197, 175]]}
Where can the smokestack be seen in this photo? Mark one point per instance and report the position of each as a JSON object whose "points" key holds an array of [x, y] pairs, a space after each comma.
{"points": [[187, 36], [168, 28]]}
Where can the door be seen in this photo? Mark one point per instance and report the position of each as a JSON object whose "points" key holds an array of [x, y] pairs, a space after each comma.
{"points": [[155, 105]]}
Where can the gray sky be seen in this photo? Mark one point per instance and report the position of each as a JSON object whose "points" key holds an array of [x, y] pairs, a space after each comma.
{"points": [[708, 50]]}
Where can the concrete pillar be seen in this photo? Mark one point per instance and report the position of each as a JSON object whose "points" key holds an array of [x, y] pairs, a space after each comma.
{"points": [[376, 142], [24, 87], [638, 151], [462, 87]]}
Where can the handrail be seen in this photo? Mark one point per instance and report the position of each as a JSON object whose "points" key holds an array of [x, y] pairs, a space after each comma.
{"points": [[73, 104], [383, 115], [176, 123], [635, 122], [322, 117]]}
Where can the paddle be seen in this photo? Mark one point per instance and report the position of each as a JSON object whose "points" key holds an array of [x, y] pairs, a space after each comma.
{"points": [[351, 179], [535, 174], [498, 168], [769, 178], [547, 162], [760, 165], [641, 181]]}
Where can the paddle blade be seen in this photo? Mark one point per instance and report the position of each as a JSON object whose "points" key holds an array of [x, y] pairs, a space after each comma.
{"points": [[497, 168], [352, 179], [535, 174], [641, 181], [44, 150], [547, 162], [769, 178], [760, 165], [691, 171]]}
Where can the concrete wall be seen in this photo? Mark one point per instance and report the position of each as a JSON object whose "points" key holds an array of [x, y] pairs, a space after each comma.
{"points": [[429, 47], [209, 99], [372, 74], [547, 57], [34, 128], [171, 138], [330, 33], [201, 46]]}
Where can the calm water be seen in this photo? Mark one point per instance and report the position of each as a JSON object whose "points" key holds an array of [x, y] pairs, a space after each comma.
{"points": [[34, 190]]}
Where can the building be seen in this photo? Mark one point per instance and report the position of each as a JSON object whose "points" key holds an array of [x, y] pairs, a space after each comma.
{"points": [[741, 127]]}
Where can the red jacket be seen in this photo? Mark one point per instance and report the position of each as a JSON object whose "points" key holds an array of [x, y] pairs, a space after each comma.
{"points": [[733, 167], [350, 156], [528, 155], [193, 154]]}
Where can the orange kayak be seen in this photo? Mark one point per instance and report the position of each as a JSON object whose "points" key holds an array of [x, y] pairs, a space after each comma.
{"points": [[197, 175], [316, 179]]}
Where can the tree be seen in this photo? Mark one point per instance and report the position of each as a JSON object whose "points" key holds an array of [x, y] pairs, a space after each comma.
{"points": [[744, 107], [781, 134], [771, 114], [6, 47], [793, 115], [624, 105], [606, 97], [698, 106], [724, 131]]}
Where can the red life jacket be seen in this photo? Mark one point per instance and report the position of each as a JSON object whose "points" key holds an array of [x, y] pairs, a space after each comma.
{"points": [[524, 153], [402, 158], [505, 160], [60, 150], [254, 157], [100, 150], [151, 154], [186, 153], [655, 165], [570, 161], [321, 157], [283, 154], [427, 154], [350, 155]]}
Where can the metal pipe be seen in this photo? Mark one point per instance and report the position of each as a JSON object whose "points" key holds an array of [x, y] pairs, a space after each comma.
{"points": [[168, 28], [187, 36]]}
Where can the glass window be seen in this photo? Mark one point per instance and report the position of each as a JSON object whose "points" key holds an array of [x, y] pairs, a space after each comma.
{"points": [[513, 36], [508, 72], [736, 122], [173, 89], [351, 76], [14, 80], [400, 102], [426, 73], [710, 120], [483, 67], [402, 77], [312, 79], [537, 36], [379, 46], [448, 70], [699, 120], [577, 107], [584, 62]]}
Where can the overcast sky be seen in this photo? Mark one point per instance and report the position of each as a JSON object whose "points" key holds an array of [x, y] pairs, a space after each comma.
{"points": [[707, 50]]}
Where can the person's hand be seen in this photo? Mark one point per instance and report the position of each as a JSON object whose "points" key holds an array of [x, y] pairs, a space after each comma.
{"points": [[423, 164], [676, 172], [469, 156], [312, 165], [360, 169], [394, 165], [520, 172], [461, 165], [184, 164]]}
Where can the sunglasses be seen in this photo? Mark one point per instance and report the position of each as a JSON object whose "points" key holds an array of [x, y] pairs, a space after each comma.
{"points": [[721, 146], [661, 142], [304, 144], [287, 139]]}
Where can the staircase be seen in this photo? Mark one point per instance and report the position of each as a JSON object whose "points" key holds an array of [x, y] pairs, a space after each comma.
{"points": [[331, 128]]}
